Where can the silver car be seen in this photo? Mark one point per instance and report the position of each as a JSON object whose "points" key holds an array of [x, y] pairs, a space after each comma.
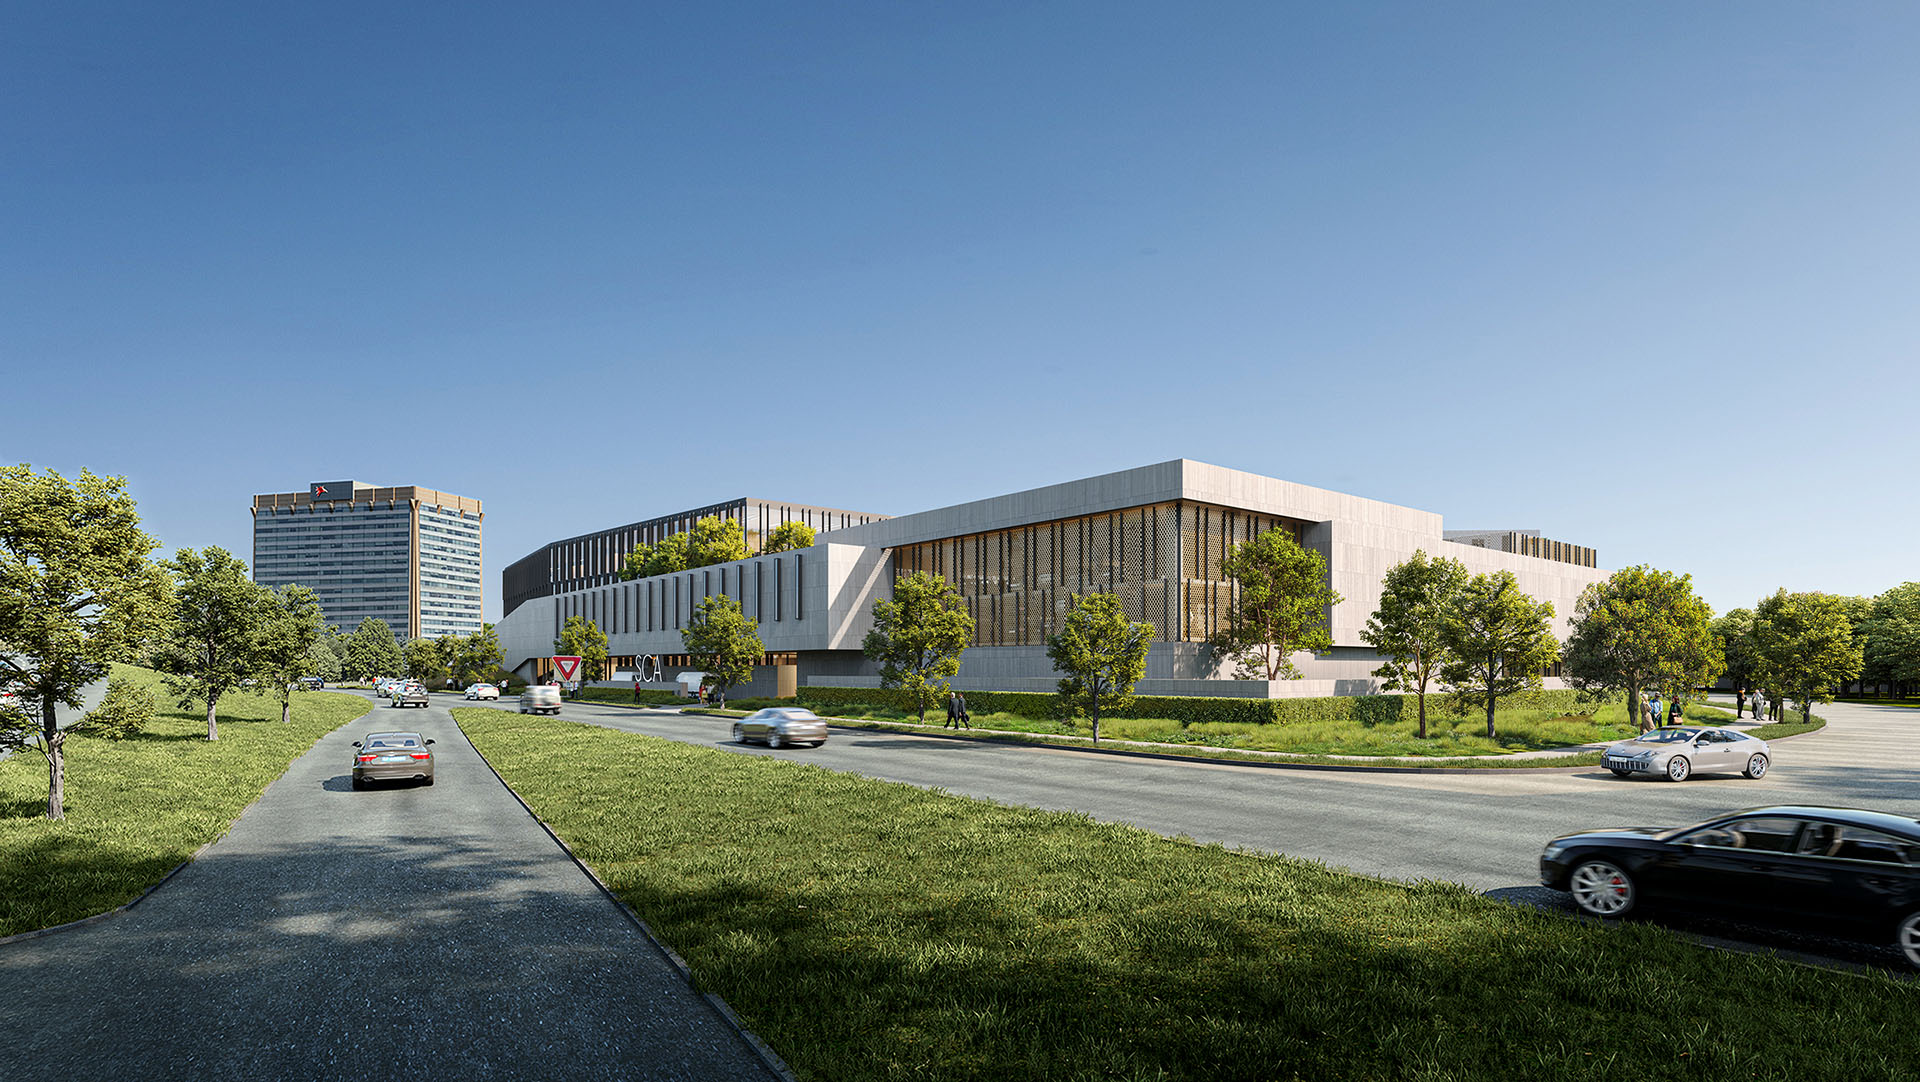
{"points": [[409, 694], [780, 726], [540, 699], [1684, 750]]}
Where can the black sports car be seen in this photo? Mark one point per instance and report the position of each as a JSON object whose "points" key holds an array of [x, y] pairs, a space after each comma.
{"points": [[1842, 871]]}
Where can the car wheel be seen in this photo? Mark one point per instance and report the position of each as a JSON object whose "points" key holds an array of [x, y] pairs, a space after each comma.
{"points": [[1906, 938], [739, 734], [358, 784], [776, 740], [1678, 768], [1602, 889], [1757, 767]]}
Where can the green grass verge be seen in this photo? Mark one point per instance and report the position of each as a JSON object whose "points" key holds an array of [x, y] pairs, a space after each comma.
{"points": [[138, 808], [1910, 704], [874, 931]]}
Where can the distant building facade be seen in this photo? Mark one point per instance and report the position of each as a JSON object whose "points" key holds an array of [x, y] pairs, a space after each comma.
{"points": [[408, 555], [1157, 537], [595, 559]]}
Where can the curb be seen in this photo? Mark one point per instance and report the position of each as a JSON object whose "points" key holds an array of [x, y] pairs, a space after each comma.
{"points": [[767, 1055]]}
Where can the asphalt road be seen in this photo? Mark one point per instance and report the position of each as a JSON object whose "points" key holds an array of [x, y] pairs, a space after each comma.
{"points": [[397, 932], [1481, 828]]}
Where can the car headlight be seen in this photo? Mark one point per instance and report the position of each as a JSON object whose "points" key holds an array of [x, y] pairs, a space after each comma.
{"points": [[1553, 852]]}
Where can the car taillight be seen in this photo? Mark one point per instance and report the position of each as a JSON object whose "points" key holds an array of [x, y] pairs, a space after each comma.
{"points": [[364, 758], [421, 754]]}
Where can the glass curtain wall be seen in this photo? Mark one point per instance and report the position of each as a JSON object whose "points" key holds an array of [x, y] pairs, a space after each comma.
{"points": [[1164, 561]]}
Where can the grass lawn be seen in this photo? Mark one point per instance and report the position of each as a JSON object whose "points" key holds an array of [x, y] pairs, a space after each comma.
{"points": [[874, 931], [1448, 735], [137, 808]]}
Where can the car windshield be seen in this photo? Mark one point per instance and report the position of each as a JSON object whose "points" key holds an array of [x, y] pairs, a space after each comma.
{"points": [[392, 740], [1669, 736]]}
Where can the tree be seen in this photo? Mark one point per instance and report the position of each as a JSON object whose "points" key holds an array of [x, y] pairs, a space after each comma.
{"points": [[323, 660], [723, 642], [78, 591], [425, 660], [582, 638], [1102, 655], [477, 655], [289, 641], [1805, 646], [788, 536], [635, 564], [218, 636], [918, 636], [715, 540], [1890, 653], [1498, 639], [1641, 628], [1281, 606], [1410, 625], [1733, 637], [372, 651], [126, 710]]}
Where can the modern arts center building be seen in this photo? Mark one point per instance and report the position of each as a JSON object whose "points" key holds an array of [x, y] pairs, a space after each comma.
{"points": [[1157, 536]]}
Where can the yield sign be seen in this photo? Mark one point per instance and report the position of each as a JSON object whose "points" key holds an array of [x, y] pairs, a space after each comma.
{"points": [[567, 667]]}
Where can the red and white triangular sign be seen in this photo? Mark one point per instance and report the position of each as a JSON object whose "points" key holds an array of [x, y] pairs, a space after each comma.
{"points": [[567, 667]]}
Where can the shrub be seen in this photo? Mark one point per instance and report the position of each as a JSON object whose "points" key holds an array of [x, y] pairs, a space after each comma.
{"points": [[126, 710]]}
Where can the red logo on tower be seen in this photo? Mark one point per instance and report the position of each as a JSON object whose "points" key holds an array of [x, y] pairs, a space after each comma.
{"points": [[568, 668]]}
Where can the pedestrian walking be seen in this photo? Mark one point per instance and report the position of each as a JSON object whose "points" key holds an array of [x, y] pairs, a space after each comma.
{"points": [[965, 721], [953, 710]]}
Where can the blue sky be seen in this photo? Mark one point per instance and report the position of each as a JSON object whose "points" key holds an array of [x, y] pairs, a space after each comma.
{"points": [[1641, 276]]}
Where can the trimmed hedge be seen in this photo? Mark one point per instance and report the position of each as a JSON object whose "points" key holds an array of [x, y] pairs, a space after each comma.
{"points": [[1190, 709], [654, 696]]}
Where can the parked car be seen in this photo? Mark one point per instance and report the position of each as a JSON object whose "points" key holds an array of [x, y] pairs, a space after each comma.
{"points": [[483, 691], [410, 694], [1680, 752], [1837, 871], [540, 699], [780, 726], [312, 683], [392, 757]]}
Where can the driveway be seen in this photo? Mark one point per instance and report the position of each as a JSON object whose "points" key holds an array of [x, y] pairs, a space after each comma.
{"points": [[397, 932]]}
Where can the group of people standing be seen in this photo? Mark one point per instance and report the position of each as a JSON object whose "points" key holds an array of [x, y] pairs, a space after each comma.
{"points": [[1654, 712], [1772, 705]]}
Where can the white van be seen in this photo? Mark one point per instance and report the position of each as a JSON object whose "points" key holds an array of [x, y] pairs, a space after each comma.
{"points": [[540, 699]]}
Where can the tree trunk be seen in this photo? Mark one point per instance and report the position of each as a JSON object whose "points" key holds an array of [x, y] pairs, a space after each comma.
{"points": [[56, 760], [1096, 719], [213, 727], [1491, 699], [286, 710], [1423, 711]]}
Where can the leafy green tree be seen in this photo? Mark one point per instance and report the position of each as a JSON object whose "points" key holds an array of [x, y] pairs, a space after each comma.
{"points": [[1498, 641], [1733, 638], [217, 640], [668, 556], [1641, 628], [126, 711], [634, 566], [323, 661], [1281, 606], [715, 540], [723, 642], [918, 636], [78, 591], [582, 638], [477, 656], [1805, 646], [291, 637], [1101, 654], [1410, 625], [1890, 652], [789, 536], [372, 651], [425, 660]]}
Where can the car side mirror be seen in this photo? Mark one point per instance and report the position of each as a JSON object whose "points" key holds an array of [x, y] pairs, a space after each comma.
{"points": [[429, 741], [356, 743]]}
